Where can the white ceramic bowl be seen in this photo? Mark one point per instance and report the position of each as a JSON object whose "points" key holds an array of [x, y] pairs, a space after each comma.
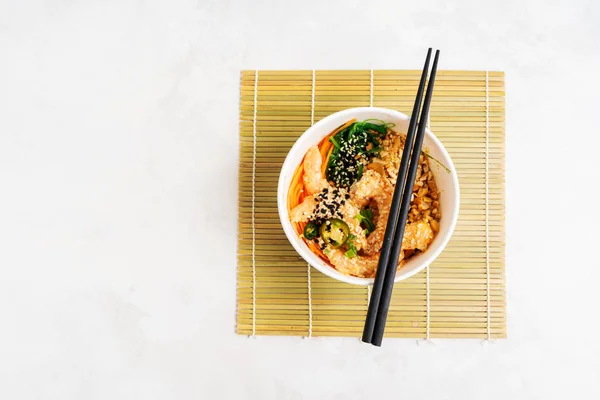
{"points": [[447, 183]]}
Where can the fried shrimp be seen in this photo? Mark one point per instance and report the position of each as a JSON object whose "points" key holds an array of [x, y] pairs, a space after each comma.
{"points": [[303, 211], [372, 186], [313, 182], [313, 179]]}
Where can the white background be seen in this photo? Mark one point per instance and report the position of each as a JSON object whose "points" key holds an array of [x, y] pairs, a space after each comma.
{"points": [[118, 190]]}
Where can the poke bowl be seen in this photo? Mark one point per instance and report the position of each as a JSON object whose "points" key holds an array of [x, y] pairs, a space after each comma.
{"points": [[335, 187]]}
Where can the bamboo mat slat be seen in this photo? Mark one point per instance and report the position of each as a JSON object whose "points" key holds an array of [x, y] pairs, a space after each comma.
{"points": [[461, 295]]}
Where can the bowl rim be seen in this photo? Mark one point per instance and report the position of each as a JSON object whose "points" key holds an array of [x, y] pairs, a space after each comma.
{"points": [[428, 257]]}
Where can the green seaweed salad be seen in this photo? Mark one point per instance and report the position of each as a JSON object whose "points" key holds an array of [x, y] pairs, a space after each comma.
{"points": [[354, 147]]}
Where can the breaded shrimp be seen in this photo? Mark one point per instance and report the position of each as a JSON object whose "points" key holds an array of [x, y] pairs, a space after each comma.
{"points": [[313, 182], [417, 235], [313, 179], [303, 211], [372, 186]]}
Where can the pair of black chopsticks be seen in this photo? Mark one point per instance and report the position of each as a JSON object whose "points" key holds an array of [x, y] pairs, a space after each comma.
{"points": [[394, 231]]}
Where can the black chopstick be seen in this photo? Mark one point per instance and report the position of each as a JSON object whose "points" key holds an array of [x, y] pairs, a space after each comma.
{"points": [[399, 213], [394, 211], [390, 273]]}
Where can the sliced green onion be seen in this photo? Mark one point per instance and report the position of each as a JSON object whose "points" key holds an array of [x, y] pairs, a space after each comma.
{"points": [[351, 252], [367, 213], [427, 155], [369, 225]]}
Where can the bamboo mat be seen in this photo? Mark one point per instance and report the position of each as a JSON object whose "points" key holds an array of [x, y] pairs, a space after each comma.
{"points": [[461, 295]]}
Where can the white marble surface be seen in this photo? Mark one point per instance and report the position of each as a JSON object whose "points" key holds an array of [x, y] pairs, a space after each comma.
{"points": [[118, 169]]}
